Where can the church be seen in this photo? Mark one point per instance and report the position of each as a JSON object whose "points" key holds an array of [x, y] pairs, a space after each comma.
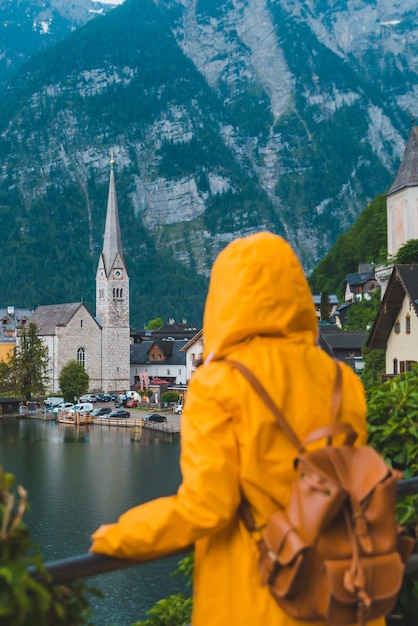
{"points": [[101, 343]]}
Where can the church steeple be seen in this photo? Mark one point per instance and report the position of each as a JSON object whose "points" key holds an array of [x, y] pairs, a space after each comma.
{"points": [[112, 244], [112, 300]]}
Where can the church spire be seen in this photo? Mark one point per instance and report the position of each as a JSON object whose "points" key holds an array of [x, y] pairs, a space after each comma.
{"points": [[407, 175], [112, 244]]}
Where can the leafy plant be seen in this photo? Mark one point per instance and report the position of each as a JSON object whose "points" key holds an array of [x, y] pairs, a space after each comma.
{"points": [[393, 428], [26, 600], [175, 610]]}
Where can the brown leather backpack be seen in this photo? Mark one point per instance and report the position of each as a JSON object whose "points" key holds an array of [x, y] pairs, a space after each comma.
{"points": [[336, 553]]}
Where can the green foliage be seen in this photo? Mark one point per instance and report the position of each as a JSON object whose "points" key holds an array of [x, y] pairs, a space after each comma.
{"points": [[177, 609], [325, 307], [364, 242], [361, 315], [28, 364], [374, 367], [170, 396], [393, 419], [408, 253], [5, 382], [73, 380], [24, 600], [154, 324]]}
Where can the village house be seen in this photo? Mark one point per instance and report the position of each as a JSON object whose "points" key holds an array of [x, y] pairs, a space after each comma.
{"points": [[194, 353], [161, 359], [395, 328], [360, 285], [11, 319]]}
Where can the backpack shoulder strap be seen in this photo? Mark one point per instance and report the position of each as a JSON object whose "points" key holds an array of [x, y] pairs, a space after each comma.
{"points": [[327, 431], [268, 401], [245, 511]]}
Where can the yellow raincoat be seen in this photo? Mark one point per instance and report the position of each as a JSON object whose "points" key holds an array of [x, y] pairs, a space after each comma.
{"points": [[259, 310]]}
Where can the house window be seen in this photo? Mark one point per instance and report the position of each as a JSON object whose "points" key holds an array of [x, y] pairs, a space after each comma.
{"points": [[168, 372], [408, 324], [408, 365], [397, 327], [395, 366], [5, 321], [81, 323], [81, 357], [402, 367]]}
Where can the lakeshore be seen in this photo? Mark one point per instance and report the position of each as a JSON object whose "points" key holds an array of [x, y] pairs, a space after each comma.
{"points": [[135, 421]]}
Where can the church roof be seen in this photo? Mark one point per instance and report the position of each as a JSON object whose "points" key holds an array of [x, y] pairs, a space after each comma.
{"points": [[407, 175], [403, 282], [48, 317], [112, 243]]}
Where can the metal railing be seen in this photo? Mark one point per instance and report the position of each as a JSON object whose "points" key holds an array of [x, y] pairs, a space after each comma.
{"points": [[87, 565]]}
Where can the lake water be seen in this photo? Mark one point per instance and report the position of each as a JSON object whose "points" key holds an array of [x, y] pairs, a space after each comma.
{"points": [[77, 480]]}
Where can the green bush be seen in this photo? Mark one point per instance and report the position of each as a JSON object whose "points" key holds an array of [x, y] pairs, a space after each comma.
{"points": [[393, 430], [170, 396], [175, 610]]}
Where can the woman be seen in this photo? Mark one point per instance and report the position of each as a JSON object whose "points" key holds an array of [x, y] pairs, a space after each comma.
{"points": [[259, 311]]}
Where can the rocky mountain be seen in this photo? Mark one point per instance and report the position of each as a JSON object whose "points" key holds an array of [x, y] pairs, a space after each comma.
{"points": [[28, 26], [225, 117]]}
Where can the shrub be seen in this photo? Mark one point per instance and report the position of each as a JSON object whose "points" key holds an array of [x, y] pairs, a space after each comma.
{"points": [[393, 428]]}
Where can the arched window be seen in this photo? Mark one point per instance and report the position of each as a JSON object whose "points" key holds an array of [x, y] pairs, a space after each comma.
{"points": [[81, 357], [408, 324], [395, 366], [397, 327]]}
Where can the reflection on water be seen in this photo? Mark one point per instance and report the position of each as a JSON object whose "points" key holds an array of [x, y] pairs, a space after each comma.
{"points": [[80, 478]]}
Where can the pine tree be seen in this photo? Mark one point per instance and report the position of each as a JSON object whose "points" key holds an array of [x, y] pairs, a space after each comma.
{"points": [[29, 364]]}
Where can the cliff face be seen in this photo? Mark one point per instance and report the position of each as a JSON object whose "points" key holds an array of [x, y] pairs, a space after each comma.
{"points": [[225, 117]]}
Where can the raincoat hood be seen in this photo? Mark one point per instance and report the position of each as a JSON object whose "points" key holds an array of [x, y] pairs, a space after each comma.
{"points": [[257, 287]]}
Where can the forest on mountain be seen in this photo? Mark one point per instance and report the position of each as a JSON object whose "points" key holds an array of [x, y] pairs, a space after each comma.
{"points": [[364, 242]]}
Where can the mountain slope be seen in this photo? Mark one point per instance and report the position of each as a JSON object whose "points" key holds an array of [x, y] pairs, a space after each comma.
{"points": [[225, 118], [28, 26]]}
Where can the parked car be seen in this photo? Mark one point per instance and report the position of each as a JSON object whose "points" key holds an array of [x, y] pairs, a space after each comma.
{"points": [[88, 397], [131, 403], [82, 407], [178, 409], [119, 413], [103, 397], [63, 406], [154, 417], [104, 410], [53, 401]]}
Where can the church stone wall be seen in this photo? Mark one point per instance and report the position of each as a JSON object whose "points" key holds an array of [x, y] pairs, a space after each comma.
{"points": [[82, 332]]}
